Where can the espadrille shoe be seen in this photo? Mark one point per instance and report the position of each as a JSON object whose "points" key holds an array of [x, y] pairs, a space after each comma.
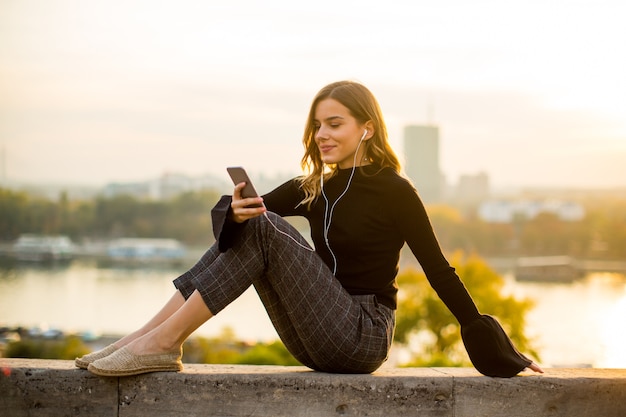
{"points": [[124, 363], [84, 361]]}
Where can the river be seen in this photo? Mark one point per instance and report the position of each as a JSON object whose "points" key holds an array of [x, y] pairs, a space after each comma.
{"points": [[575, 324]]}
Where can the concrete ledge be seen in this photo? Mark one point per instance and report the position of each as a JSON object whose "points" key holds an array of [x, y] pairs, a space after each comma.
{"points": [[56, 388]]}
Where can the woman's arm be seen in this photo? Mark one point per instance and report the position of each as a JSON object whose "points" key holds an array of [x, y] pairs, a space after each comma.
{"points": [[230, 213], [487, 344]]}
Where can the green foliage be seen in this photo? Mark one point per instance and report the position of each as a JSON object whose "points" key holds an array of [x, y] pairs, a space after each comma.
{"points": [[600, 235], [66, 348], [274, 353], [470, 234], [225, 349], [427, 328], [186, 217], [213, 350]]}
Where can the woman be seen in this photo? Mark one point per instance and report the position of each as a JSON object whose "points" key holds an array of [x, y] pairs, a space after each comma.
{"points": [[332, 306]]}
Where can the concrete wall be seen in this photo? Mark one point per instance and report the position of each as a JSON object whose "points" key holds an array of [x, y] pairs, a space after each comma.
{"points": [[33, 387]]}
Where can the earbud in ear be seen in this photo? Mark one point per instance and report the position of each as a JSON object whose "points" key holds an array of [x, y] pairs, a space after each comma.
{"points": [[364, 134]]}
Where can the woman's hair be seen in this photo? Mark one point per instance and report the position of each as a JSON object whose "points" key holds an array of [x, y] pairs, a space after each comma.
{"points": [[364, 107]]}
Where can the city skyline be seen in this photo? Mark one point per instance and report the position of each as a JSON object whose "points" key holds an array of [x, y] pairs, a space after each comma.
{"points": [[98, 92]]}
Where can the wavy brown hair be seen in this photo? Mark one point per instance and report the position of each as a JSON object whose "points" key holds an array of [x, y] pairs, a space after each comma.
{"points": [[364, 107]]}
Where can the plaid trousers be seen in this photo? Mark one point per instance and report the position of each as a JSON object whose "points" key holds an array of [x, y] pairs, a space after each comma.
{"points": [[320, 323]]}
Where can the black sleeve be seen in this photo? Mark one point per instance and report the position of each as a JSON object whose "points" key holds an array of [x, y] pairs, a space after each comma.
{"points": [[419, 235], [490, 349], [488, 346], [224, 229], [284, 200]]}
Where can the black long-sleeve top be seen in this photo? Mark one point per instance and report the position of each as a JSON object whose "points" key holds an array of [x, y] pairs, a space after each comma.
{"points": [[368, 227], [379, 212]]}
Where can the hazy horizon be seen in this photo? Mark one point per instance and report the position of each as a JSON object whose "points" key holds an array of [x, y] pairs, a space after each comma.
{"points": [[530, 92]]}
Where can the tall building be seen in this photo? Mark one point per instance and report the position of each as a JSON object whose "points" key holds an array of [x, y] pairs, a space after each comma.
{"points": [[421, 151]]}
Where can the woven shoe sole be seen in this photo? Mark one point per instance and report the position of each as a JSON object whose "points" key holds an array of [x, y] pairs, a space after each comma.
{"points": [[124, 363], [84, 361]]}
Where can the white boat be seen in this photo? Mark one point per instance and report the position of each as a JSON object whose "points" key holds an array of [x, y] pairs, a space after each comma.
{"points": [[146, 249], [43, 248]]}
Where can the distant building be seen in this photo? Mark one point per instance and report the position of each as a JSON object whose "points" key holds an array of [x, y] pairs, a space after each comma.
{"points": [[472, 188], [421, 150], [503, 211], [135, 189], [166, 186], [170, 185]]}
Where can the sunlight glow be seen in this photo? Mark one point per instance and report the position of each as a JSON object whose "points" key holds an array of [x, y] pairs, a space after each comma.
{"points": [[613, 336], [522, 75]]}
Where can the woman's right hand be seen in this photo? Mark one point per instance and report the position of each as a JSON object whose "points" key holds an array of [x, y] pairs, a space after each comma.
{"points": [[243, 208]]}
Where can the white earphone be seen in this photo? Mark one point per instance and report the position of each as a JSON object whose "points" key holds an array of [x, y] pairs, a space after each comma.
{"points": [[328, 210]]}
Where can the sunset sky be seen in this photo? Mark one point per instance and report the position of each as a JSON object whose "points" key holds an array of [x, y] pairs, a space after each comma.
{"points": [[530, 92]]}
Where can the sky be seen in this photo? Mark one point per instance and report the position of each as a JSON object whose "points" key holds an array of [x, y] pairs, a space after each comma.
{"points": [[533, 93]]}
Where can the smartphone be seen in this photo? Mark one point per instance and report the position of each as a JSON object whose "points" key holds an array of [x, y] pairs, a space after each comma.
{"points": [[239, 175]]}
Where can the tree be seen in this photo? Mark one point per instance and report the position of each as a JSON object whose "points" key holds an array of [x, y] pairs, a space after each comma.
{"points": [[226, 349], [274, 353], [13, 209], [427, 329], [65, 348]]}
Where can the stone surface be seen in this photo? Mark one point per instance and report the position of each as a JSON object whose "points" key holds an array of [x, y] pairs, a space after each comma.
{"points": [[42, 388], [559, 392], [220, 390], [56, 388]]}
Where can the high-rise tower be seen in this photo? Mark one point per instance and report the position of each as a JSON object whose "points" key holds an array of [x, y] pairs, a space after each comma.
{"points": [[421, 150]]}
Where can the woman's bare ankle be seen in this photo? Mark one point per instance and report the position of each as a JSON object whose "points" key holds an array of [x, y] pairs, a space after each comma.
{"points": [[152, 343], [129, 338]]}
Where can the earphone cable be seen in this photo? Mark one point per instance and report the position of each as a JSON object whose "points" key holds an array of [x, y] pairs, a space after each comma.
{"points": [[287, 234], [328, 214]]}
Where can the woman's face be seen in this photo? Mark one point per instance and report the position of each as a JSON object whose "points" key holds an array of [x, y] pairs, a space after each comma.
{"points": [[337, 134]]}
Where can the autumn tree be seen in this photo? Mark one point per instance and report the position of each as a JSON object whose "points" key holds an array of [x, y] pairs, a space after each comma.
{"points": [[431, 334]]}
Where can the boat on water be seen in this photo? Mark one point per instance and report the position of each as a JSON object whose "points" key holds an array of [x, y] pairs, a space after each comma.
{"points": [[38, 248], [547, 269], [145, 250]]}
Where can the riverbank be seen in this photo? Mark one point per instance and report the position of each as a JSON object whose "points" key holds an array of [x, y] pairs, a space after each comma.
{"points": [[99, 251], [78, 298]]}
